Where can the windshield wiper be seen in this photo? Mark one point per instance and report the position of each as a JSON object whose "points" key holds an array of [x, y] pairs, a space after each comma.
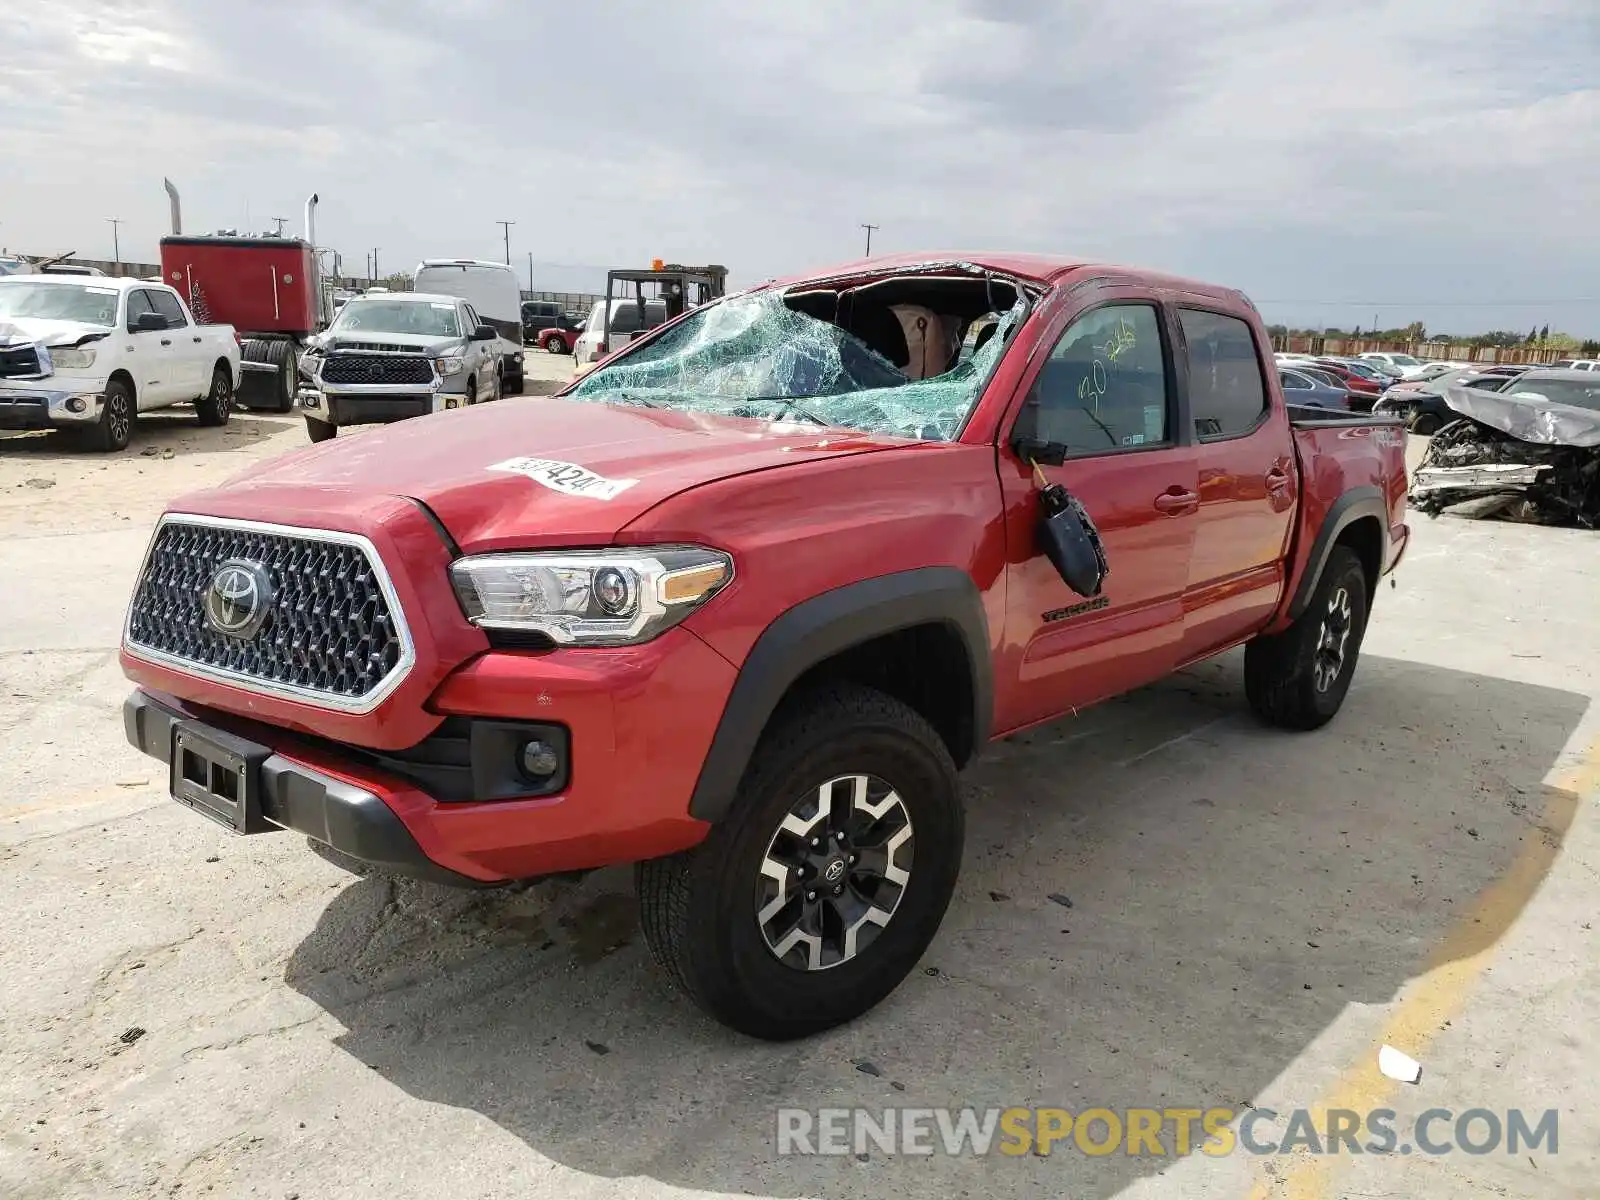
{"points": [[789, 404]]}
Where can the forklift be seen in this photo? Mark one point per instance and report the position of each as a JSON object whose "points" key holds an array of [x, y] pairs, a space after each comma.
{"points": [[669, 286]]}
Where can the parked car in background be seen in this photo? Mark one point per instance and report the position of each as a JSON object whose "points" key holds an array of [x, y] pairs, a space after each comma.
{"points": [[1303, 388], [547, 325], [1422, 406], [492, 290], [1363, 390], [89, 354], [1406, 365], [1510, 370], [595, 342], [397, 355], [1576, 364]]}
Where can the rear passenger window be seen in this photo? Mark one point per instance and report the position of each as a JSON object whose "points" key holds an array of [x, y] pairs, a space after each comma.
{"points": [[1226, 394], [1104, 386]]}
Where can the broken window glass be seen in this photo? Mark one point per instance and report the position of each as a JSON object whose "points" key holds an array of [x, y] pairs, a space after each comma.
{"points": [[754, 356]]}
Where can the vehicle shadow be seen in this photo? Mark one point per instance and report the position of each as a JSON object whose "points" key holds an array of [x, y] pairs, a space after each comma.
{"points": [[1162, 904], [154, 435]]}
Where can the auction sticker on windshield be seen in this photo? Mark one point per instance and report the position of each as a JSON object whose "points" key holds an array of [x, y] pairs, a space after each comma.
{"points": [[566, 477]]}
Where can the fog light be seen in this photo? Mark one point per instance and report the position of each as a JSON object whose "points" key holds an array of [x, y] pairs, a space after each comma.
{"points": [[449, 402], [311, 400], [540, 760], [76, 405]]}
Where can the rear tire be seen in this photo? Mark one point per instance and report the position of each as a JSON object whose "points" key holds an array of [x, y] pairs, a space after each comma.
{"points": [[281, 353], [555, 344], [320, 431], [1426, 424], [1298, 679], [716, 917], [114, 429], [216, 406]]}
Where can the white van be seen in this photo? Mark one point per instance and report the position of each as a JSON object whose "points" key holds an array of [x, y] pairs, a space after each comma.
{"points": [[593, 343], [492, 290]]}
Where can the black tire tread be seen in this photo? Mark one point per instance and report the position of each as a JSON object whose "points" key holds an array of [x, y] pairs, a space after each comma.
{"points": [[665, 885], [1277, 668], [206, 411]]}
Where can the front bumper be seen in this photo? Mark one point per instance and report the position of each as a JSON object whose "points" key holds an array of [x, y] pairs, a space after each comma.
{"points": [[346, 816], [29, 405], [638, 724], [377, 404]]}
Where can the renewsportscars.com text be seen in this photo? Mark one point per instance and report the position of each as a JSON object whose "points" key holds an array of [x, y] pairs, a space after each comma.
{"points": [[1161, 1132]]}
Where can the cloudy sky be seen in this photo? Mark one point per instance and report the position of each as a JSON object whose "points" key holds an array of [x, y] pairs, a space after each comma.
{"points": [[1410, 159]]}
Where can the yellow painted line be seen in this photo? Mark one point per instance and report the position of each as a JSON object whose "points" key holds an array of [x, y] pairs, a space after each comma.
{"points": [[1440, 991]]}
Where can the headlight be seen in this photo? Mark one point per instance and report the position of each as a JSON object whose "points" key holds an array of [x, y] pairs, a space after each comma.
{"points": [[447, 366], [591, 598], [71, 357]]}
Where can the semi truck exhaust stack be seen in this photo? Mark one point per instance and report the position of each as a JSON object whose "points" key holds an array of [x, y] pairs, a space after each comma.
{"points": [[177, 210], [311, 220]]}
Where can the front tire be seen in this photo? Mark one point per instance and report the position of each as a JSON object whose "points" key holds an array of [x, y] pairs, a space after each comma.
{"points": [[114, 429], [555, 344], [216, 406], [821, 888], [1298, 679]]}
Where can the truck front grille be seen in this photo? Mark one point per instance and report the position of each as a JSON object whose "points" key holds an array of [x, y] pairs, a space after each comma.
{"points": [[18, 361], [332, 632], [376, 368]]}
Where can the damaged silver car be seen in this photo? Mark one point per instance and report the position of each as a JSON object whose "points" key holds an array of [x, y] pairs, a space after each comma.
{"points": [[1530, 453]]}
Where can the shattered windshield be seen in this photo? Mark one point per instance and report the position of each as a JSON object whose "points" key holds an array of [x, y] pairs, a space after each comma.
{"points": [[754, 356]]}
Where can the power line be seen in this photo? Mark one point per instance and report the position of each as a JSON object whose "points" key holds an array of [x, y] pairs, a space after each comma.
{"points": [[1435, 303]]}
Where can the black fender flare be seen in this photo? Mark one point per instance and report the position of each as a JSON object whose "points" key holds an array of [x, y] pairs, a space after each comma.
{"points": [[819, 628], [1364, 501]]}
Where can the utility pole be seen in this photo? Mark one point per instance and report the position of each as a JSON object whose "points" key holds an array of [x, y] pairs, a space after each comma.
{"points": [[116, 242], [505, 227], [530, 270], [282, 221], [375, 250], [869, 229]]}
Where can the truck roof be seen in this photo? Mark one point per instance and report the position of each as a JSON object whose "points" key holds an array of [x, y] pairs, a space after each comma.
{"points": [[462, 262], [1040, 268], [121, 284]]}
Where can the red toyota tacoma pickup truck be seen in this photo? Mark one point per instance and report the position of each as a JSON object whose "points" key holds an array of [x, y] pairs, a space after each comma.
{"points": [[741, 603]]}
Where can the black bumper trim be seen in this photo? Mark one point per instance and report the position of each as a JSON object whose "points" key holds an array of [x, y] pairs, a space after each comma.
{"points": [[351, 820], [375, 409]]}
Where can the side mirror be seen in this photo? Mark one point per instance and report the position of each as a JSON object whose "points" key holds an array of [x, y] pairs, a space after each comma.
{"points": [[1069, 539], [485, 333], [149, 322]]}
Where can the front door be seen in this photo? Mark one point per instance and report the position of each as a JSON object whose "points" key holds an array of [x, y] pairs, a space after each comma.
{"points": [[191, 368], [1105, 398], [1248, 481], [150, 356]]}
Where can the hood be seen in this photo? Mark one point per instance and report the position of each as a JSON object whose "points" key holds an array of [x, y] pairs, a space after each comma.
{"points": [[368, 338], [47, 332], [1539, 421], [523, 473]]}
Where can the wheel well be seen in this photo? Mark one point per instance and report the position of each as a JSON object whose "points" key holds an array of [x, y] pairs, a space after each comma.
{"points": [[222, 364], [1364, 535], [126, 379], [924, 667]]}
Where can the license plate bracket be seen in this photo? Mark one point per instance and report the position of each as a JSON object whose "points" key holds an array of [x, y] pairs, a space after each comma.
{"points": [[218, 775]]}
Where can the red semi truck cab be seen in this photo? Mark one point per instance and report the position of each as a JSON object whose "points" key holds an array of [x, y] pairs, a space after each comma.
{"points": [[268, 288], [739, 605]]}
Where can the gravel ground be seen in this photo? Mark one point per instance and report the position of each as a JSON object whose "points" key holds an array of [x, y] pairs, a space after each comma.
{"points": [[1162, 904]]}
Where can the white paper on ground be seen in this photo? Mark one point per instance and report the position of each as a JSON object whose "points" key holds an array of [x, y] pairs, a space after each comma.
{"points": [[1399, 1066]]}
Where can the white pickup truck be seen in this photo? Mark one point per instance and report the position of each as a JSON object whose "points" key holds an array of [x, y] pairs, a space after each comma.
{"points": [[90, 354]]}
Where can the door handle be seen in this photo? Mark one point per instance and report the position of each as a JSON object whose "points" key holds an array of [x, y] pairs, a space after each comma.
{"points": [[197, 341], [1175, 502], [1277, 479], [166, 341]]}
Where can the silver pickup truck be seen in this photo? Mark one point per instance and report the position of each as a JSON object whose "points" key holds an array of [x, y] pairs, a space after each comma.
{"points": [[395, 355]]}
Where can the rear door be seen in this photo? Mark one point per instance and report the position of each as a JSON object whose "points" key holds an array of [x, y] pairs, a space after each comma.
{"points": [[1248, 478], [1103, 387], [191, 366]]}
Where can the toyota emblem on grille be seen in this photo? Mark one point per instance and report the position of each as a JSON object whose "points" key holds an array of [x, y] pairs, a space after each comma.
{"points": [[238, 598]]}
